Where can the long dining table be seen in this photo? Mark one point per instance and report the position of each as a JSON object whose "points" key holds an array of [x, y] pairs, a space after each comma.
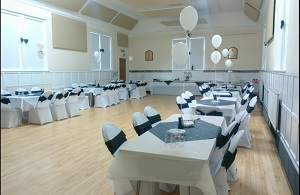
{"points": [[149, 158]]}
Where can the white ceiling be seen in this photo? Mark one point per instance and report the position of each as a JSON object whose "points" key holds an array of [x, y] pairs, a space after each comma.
{"points": [[163, 15]]}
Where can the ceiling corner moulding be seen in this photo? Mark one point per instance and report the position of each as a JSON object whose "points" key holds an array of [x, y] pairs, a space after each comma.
{"points": [[251, 12], [100, 12], [254, 3]]}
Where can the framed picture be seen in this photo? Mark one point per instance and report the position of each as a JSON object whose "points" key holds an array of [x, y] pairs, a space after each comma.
{"points": [[149, 55], [234, 51]]}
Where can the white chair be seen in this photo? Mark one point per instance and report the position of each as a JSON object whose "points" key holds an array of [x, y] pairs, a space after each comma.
{"points": [[101, 98], [153, 116], [114, 137], [143, 89], [186, 97], [136, 93], [58, 105], [83, 100], [5, 93], [243, 104], [19, 91], [140, 123], [188, 93], [72, 106], [123, 92], [83, 85], [116, 93], [41, 113], [110, 95], [36, 91], [10, 117], [75, 85], [219, 174], [182, 105]]}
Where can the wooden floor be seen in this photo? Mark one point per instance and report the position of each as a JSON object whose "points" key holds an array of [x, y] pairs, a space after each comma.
{"points": [[70, 157]]}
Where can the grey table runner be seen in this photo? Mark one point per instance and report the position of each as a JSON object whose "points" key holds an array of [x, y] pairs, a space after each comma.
{"points": [[199, 131], [228, 89], [221, 103]]}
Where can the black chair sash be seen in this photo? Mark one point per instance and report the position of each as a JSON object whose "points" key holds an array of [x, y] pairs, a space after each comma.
{"points": [[243, 101], [140, 129], [59, 96], [66, 95], [154, 119], [228, 159], [116, 142], [243, 90], [72, 93], [192, 97], [188, 100], [50, 97], [201, 113], [182, 106], [6, 94], [235, 129], [215, 113], [5, 101], [249, 109], [42, 98], [222, 140]]}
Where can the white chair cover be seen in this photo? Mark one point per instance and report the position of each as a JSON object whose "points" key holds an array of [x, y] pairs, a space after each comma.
{"points": [[182, 105], [136, 93], [83, 101], [36, 90], [140, 123], [110, 95], [75, 85], [153, 116], [58, 105], [41, 113], [116, 93], [18, 90], [101, 99], [10, 117], [5, 93], [123, 92], [72, 106]]}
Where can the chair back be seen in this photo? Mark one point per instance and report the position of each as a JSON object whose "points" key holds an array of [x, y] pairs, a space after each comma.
{"points": [[5, 93], [5, 103], [36, 90], [58, 98], [44, 100], [140, 123], [186, 97], [73, 95], [182, 105], [83, 85], [113, 137], [74, 85], [224, 137], [192, 97], [21, 90], [237, 119], [210, 111], [251, 104], [152, 114]]}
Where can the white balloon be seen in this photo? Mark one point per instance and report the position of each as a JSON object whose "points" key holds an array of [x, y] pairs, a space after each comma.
{"points": [[215, 57], [98, 59], [41, 54], [188, 18], [216, 41], [180, 53], [40, 45], [130, 58], [228, 63], [96, 54], [225, 53]]}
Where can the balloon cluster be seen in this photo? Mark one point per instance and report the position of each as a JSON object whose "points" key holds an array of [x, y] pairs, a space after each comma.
{"points": [[97, 56], [188, 20], [40, 52], [226, 53]]}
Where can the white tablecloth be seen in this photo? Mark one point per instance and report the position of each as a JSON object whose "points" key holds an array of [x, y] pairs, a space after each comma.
{"points": [[147, 158], [25, 103]]}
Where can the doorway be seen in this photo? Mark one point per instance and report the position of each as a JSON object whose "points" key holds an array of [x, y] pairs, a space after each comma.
{"points": [[122, 68]]}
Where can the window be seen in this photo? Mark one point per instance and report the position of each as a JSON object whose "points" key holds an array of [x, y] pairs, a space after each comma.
{"points": [[102, 44], [197, 53], [19, 38]]}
